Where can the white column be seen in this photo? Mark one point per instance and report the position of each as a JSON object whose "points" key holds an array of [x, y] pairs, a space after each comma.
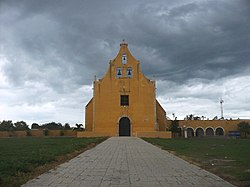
{"points": [[185, 131]]}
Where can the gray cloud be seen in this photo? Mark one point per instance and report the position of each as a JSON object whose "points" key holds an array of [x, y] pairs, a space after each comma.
{"points": [[50, 49]]}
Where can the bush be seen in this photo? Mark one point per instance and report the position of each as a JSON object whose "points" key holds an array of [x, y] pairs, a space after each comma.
{"points": [[244, 128]]}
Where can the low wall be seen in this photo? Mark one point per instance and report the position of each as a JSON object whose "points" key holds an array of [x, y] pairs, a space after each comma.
{"points": [[4, 134], [55, 133], [70, 133], [86, 134], [19, 133], [156, 134], [62, 133], [37, 133], [13, 133]]}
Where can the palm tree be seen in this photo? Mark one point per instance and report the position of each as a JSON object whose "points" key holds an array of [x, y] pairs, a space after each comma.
{"points": [[78, 127]]}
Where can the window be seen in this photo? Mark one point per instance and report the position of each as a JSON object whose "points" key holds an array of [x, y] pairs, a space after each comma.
{"points": [[124, 100]]}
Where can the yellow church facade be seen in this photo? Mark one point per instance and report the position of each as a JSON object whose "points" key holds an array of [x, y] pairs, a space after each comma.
{"points": [[124, 102]]}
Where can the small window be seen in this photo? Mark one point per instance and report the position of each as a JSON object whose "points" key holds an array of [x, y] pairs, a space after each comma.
{"points": [[124, 100]]}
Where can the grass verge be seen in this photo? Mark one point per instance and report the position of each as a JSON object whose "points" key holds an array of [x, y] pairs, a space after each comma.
{"points": [[227, 158], [22, 159]]}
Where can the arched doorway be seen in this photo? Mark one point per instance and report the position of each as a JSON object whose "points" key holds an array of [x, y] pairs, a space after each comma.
{"points": [[190, 132], [209, 131], [124, 126], [199, 132], [219, 131]]}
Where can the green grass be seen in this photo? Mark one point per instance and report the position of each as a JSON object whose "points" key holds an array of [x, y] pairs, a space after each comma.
{"points": [[228, 158], [19, 156]]}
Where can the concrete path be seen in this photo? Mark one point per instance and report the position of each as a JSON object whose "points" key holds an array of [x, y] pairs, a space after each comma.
{"points": [[127, 161]]}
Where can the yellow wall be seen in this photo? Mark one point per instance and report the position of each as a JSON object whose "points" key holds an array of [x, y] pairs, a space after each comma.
{"points": [[104, 111], [89, 116], [156, 134], [20, 133], [161, 117], [87, 134], [38, 133], [227, 125], [4, 134]]}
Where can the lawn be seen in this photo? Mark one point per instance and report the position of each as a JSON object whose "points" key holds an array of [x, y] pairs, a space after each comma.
{"points": [[21, 158], [228, 158]]}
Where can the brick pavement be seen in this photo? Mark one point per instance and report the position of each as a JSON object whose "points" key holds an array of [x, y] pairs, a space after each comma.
{"points": [[124, 162]]}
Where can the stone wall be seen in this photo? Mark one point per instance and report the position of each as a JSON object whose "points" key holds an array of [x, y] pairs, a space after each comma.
{"points": [[38, 133]]}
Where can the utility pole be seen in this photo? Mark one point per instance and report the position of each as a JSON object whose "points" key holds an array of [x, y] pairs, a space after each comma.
{"points": [[221, 108]]}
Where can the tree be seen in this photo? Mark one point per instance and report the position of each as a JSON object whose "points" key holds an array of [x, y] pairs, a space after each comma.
{"points": [[6, 126], [21, 125], [189, 117], [174, 128], [197, 118], [244, 128], [67, 126], [35, 126], [193, 117], [78, 127], [52, 126]]}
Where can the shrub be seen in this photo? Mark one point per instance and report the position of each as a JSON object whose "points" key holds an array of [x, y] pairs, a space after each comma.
{"points": [[244, 128]]}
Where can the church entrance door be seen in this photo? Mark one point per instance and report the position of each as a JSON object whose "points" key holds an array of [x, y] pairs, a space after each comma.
{"points": [[124, 127]]}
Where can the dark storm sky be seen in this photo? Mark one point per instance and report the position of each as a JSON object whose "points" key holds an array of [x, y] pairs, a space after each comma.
{"points": [[197, 51]]}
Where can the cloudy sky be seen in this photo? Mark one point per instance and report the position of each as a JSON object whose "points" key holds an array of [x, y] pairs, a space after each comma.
{"points": [[198, 51]]}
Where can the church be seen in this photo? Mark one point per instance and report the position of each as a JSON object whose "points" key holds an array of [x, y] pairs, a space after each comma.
{"points": [[124, 102]]}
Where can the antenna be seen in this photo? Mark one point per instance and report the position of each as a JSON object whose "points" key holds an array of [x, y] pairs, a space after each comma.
{"points": [[221, 108]]}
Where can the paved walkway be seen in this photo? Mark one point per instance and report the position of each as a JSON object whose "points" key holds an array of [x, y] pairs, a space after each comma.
{"points": [[127, 161]]}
